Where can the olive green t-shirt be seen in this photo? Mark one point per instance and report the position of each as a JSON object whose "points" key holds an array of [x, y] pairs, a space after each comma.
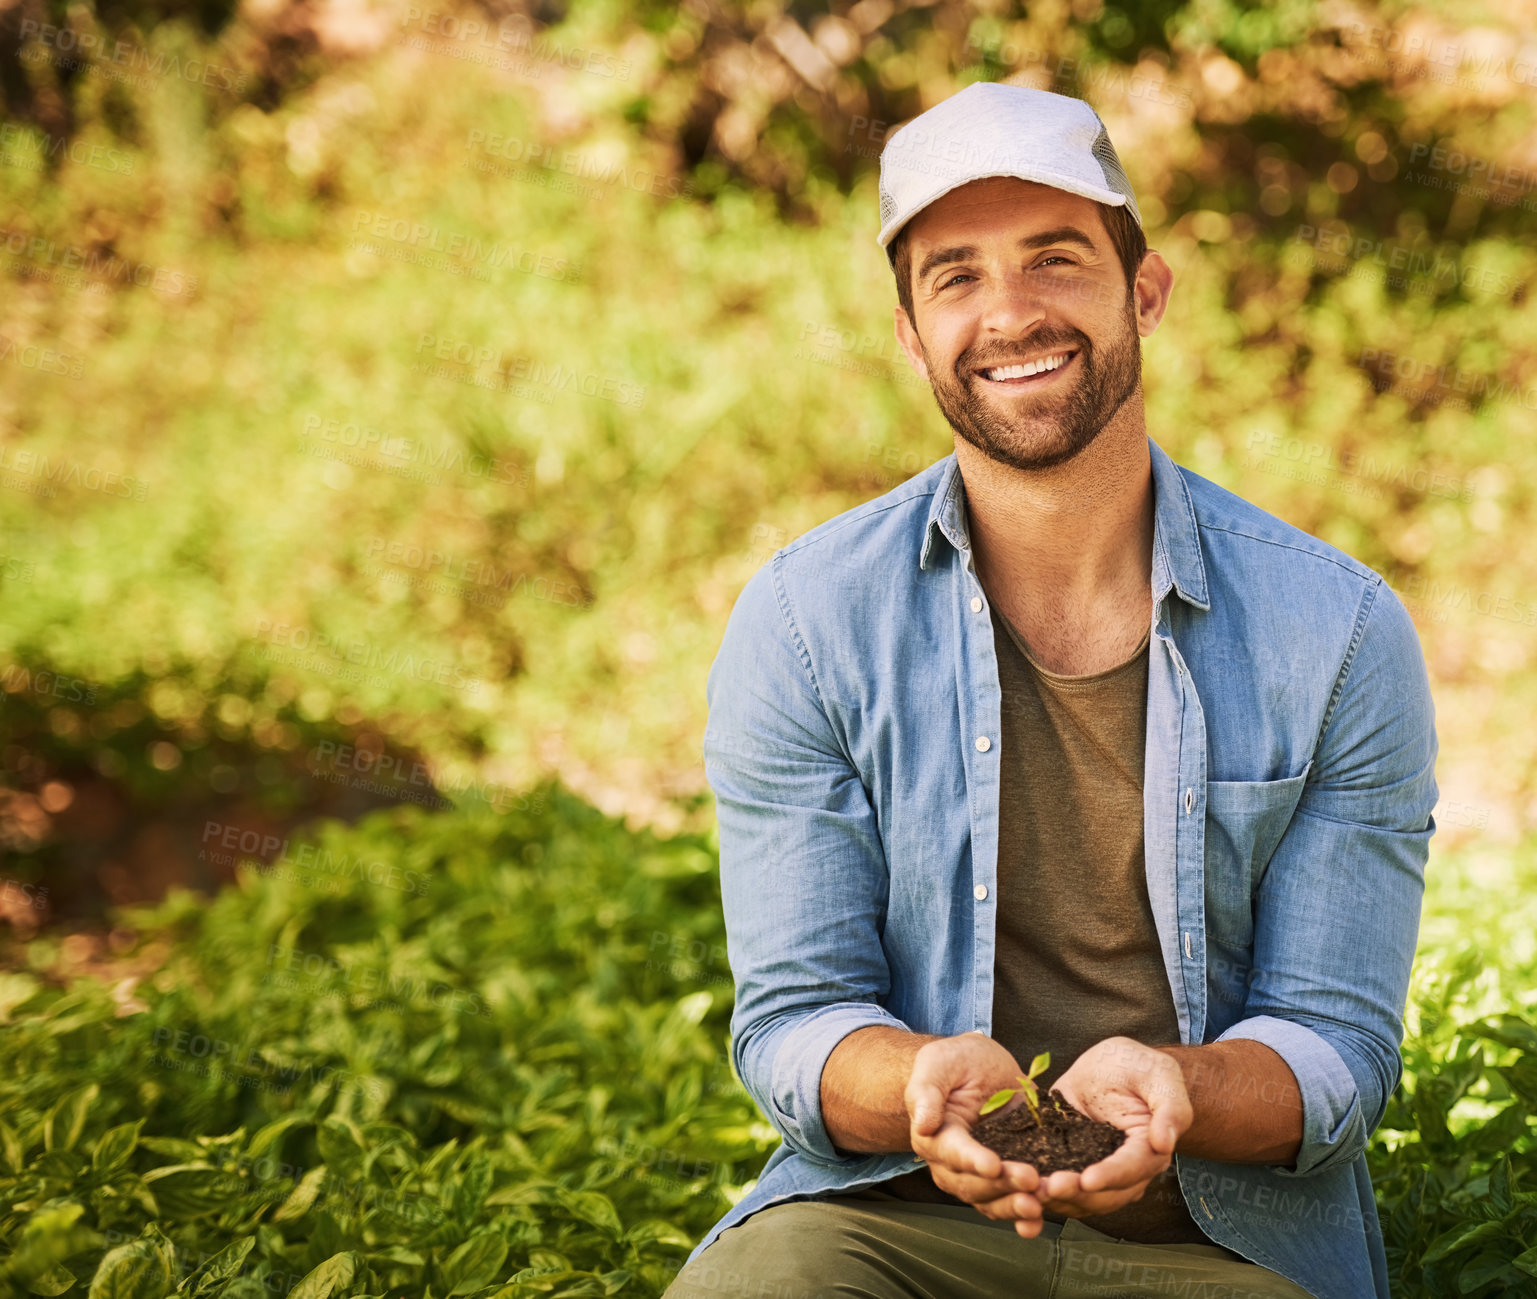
{"points": [[1077, 957]]}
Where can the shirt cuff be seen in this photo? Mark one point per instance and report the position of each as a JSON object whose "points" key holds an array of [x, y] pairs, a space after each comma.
{"points": [[795, 1093], [1333, 1129]]}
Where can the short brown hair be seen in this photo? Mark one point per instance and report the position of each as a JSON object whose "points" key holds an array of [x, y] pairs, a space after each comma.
{"points": [[1124, 230]]}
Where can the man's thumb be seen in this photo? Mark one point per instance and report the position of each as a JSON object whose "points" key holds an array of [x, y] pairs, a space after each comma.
{"points": [[927, 1109], [1166, 1121]]}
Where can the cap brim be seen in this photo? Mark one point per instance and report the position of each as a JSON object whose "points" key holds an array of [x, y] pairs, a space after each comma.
{"points": [[1068, 184]]}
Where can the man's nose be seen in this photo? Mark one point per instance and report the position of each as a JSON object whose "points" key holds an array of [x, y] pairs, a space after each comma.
{"points": [[1012, 304]]}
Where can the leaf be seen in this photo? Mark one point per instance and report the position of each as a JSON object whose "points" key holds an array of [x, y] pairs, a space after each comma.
{"points": [[191, 1190], [1039, 1065], [10, 1147], [302, 1196], [340, 1142], [1521, 1078], [1507, 1030], [184, 1152], [115, 1146], [50, 1237], [594, 1208], [268, 1136], [137, 1270], [1484, 1269], [470, 1191], [658, 1230], [62, 1127], [1500, 1133], [543, 1279], [160, 1241], [130, 1188], [338, 1270], [1526, 1261], [53, 1282], [996, 1099], [1461, 1237], [1499, 1187], [398, 1254], [223, 1265], [524, 1193], [475, 1263], [53, 1218], [16, 989]]}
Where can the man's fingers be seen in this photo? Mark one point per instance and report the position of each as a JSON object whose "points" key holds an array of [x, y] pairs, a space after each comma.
{"points": [[959, 1150], [1061, 1185], [970, 1187], [1090, 1204], [1135, 1161], [1017, 1205], [1012, 1178], [1024, 1176]]}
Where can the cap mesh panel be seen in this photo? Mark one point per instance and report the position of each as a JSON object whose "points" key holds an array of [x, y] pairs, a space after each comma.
{"points": [[1115, 177]]}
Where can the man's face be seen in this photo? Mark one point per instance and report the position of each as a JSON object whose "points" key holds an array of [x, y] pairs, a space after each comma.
{"points": [[1006, 271]]}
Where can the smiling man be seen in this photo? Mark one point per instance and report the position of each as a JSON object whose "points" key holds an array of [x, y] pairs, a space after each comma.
{"points": [[1060, 747]]}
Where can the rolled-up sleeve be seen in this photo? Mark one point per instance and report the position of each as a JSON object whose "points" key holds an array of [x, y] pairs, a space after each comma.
{"points": [[803, 874], [1337, 913]]}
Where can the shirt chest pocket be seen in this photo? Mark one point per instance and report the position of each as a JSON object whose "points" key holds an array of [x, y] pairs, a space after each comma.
{"points": [[1245, 820]]}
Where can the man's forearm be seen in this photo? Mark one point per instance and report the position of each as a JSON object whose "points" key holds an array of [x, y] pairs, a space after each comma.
{"points": [[1247, 1105], [862, 1089]]}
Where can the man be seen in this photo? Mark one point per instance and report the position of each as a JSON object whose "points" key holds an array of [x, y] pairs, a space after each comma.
{"points": [[1059, 746]]}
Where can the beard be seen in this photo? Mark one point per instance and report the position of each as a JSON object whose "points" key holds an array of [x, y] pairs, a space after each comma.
{"points": [[1038, 432]]}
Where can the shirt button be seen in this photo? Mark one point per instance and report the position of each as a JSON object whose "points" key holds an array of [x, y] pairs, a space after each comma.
{"points": [[1189, 801], [983, 744], [976, 604], [980, 893]]}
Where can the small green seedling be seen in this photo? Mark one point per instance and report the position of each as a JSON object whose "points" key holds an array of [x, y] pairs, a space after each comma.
{"points": [[1027, 1085]]}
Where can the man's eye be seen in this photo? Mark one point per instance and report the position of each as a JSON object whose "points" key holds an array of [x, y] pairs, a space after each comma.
{"points": [[1045, 261]]}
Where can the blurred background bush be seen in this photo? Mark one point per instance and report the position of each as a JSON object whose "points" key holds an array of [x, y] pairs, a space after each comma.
{"points": [[394, 398]]}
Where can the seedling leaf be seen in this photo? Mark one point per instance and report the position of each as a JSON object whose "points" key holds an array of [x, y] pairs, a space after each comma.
{"points": [[1027, 1085], [996, 1099]]}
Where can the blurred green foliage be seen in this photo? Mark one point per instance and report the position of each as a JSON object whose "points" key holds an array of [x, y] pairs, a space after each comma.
{"points": [[318, 1065], [365, 409]]}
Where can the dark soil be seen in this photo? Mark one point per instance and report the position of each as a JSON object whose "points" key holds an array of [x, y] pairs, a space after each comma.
{"points": [[1064, 1138]]}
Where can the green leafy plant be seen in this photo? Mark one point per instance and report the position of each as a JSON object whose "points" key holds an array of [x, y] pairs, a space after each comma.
{"points": [[329, 1087], [1038, 1066], [1454, 1162]]}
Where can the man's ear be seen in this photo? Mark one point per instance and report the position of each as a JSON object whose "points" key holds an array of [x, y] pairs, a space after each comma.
{"points": [[1151, 291], [907, 337]]}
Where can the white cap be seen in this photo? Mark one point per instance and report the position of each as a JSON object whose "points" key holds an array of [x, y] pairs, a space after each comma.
{"points": [[995, 129]]}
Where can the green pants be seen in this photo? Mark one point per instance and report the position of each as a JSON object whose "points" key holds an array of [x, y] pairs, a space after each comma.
{"points": [[873, 1245]]}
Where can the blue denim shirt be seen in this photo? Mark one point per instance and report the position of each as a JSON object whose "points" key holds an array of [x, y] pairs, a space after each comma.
{"points": [[853, 748]]}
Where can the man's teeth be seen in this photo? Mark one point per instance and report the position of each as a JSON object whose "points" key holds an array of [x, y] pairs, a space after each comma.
{"points": [[1025, 371]]}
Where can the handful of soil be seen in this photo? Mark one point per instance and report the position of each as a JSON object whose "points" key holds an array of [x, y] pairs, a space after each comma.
{"points": [[1064, 1137]]}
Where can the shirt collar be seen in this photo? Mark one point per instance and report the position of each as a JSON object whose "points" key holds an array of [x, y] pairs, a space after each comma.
{"points": [[1177, 559]]}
